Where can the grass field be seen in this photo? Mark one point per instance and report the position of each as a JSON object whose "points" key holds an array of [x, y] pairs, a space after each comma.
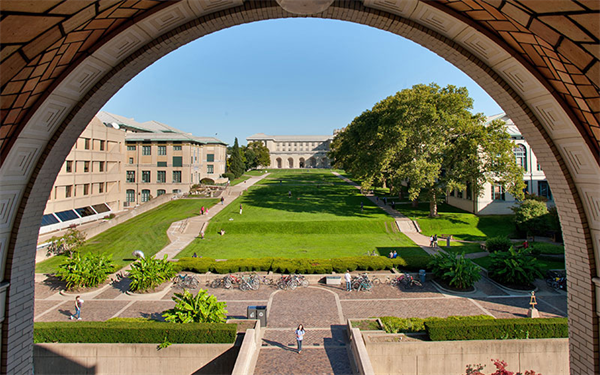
{"points": [[321, 219], [460, 247], [146, 232], [460, 224]]}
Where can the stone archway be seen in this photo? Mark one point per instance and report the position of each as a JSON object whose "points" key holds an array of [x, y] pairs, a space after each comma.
{"points": [[538, 60], [301, 163], [290, 163], [279, 163]]}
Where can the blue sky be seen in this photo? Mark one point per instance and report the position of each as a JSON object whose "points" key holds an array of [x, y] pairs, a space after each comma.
{"points": [[288, 76]]}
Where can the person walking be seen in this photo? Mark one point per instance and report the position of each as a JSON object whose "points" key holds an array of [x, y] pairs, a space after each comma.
{"points": [[240, 208], [348, 279], [431, 241], [78, 305], [289, 194], [299, 337], [222, 201], [435, 239]]}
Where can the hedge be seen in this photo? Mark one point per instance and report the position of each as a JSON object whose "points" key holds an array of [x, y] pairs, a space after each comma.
{"points": [[303, 265], [134, 332], [445, 330], [392, 324]]}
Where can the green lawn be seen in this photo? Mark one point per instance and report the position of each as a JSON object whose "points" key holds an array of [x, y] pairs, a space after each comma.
{"points": [[460, 224], [321, 219], [460, 247], [146, 232]]}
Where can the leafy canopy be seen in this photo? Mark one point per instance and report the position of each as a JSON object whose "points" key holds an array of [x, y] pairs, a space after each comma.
{"points": [[85, 271], [257, 155], [201, 308], [426, 137], [69, 243]]}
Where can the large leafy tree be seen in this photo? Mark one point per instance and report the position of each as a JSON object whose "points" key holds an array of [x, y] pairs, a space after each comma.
{"points": [[257, 155], [236, 160], [427, 138]]}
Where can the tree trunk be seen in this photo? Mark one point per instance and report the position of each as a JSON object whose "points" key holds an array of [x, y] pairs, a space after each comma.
{"points": [[433, 207]]}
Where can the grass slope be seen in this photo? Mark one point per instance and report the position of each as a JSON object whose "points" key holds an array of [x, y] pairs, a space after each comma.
{"points": [[146, 232], [321, 219]]}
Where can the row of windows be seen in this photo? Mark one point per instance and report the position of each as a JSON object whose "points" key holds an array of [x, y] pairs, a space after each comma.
{"points": [[161, 176], [178, 160], [498, 193], [147, 150], [93, 144], [521, 158], [87, 189], [71, 166], [145, 194]]}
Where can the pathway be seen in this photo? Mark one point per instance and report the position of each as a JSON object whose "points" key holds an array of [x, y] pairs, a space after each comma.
{"points": [[182, 233]]}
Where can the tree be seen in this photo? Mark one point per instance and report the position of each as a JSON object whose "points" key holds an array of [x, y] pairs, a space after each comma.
{"points": [[201, 308], [69, 243], [236, 163], [426, 138], [531, 217], [257, 155]]}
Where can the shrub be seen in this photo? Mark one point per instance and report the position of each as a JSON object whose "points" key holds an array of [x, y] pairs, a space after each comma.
{"points": [[133, 332], [546, 248], [458, 272], [392, 324], [85, 271], [444, 330], [68, 243], [201, 308], [199, 265], [148, 273], [531, 217], [498, 244], [514, 267], [229, 176]]}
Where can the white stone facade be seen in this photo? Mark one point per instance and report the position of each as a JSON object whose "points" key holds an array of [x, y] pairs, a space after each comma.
{"points": [[494, 201], [296, 151]]}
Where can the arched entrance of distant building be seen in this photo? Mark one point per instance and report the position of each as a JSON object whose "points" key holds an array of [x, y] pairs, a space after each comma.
{"points": [[59, 72], [290, 163], [301, 163], [279, 163]]}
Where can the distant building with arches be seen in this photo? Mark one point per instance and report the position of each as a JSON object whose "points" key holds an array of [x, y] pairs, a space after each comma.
{"points": [[296, 151], [494, 200]]}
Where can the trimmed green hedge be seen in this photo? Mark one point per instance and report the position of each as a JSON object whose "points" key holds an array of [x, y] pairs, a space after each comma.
{"points": [[134, 332], [445, 330], [392, 324], [303, 265]]}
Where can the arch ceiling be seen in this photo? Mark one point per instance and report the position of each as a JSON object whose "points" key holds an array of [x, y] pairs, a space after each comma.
{"points": [[61, 60]]}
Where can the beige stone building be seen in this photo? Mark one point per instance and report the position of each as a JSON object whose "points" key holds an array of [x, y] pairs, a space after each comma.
{"points": [[493, 200], [296, 151], [89, 184]]}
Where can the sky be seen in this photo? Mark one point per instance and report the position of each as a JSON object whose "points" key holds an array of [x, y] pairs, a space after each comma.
{"points": [[297, 76]]}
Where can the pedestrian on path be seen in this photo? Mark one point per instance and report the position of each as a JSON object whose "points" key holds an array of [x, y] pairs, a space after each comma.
{"points": [[299, 337], [348, 279], [393, 205], [435, 239], [289, 194], [431, 241], [78, 305], [240, 208], [222, 201]]}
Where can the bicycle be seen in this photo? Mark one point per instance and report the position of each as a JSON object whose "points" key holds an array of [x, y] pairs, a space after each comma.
{"points": [[361, 282], [249, 283], [409, 281], [287, 282], [185, 282]]}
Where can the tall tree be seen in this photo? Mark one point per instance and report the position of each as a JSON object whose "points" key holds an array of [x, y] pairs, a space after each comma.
{"points": [[236, 161], [426, 137], [257, 155]]}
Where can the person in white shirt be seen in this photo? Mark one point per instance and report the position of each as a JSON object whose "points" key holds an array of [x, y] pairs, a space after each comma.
{"points": [[348, 281]]}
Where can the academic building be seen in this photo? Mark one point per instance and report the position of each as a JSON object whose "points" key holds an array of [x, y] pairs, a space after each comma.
{"points": [[493, 200], [118, 163], [296, 151]]}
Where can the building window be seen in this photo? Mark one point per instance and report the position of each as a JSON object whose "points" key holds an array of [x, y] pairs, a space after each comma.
{"points": [[161, 176], [469, 191], [101, 166], [145, 176], [162, 150], [177, 161], [86, 166], [68, 191], [146, 150], [210, 157], [161, 164], [176, 191], [86, 189], [130, 160], [521, 156], [160, 192], [176, 148], [459, 194], [130, 147], [101, 145], [210, 169], [498, 193], [69, 166], [544, 190], [130, 195], [101, 187], [130, 176], [176, 176], [145, 195], [539, 167], [86, 143]]}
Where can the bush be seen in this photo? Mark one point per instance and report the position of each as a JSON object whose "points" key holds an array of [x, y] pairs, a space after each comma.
{"points": [[201, 308], [444, 330], [498, 244], [392, 324], [229, 175], [85, 271], [458, 272], [546, 248], [514, 267], [134, 332], [148, 273], [531, 217], [199, 265]]}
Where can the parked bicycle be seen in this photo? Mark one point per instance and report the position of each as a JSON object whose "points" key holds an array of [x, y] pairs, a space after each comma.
{"points": [[287, 282], [408, 281], [185, 282], [250, 282], [361, 282], [226, 282], [556, 280]]}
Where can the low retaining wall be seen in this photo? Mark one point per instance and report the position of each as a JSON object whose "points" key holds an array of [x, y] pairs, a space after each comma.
{"points": [[545, 356], [130, 359], [360, 355]]}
